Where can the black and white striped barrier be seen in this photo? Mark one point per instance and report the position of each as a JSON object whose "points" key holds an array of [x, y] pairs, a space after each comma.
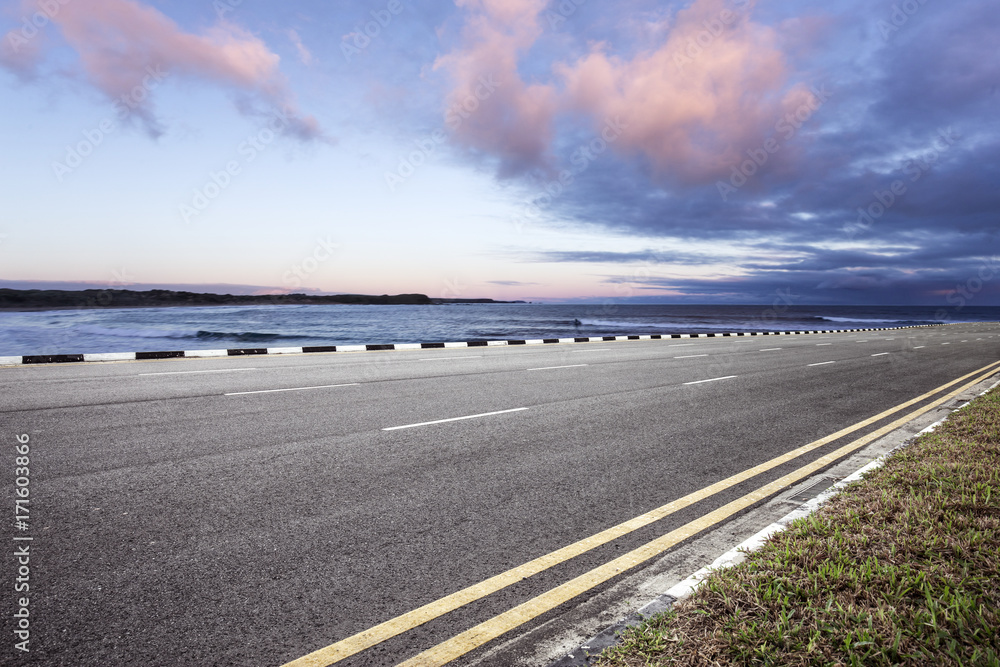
{"points": [[238, 352]]}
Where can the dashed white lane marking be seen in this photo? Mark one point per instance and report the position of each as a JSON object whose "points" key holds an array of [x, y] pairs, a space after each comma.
{"points": [[823, 363], [691, 356], [946, 343], [453, 419], [919, 346], [551, 368], [770, 349], [273, 391], [821, 344], [880, 354], [221, 370], [726, 377]]}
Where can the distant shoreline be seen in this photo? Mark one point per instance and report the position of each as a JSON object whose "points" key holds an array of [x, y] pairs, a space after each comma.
{"points": [[93, 299]]}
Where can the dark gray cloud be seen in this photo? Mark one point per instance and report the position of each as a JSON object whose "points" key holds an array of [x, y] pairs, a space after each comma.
{"points": [[889, 193]]}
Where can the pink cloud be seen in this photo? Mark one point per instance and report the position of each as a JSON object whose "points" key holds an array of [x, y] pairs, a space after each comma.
{"points": [[490, 108], [121, 42], [716, 86]]}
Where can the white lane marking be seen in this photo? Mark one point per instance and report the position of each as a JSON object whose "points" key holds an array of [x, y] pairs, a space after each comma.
{"points": [[821, 344], [549, 368], [823, 363], [221, 370], [861, 341], [880, 354], [770, 349], [919, 346], [946, 343], [450, 358], [272, 391], [691, 356], [727, 377], [453, 419]]}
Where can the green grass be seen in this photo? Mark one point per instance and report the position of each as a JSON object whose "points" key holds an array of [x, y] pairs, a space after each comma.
{"points": [[901, 568]]}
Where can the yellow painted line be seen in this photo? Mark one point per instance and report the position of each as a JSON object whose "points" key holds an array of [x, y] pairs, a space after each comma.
{"points": [[412, 619], [475, 637]]}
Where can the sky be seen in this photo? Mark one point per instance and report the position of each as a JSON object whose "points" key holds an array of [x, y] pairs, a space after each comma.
{"points": [[714, 151]]}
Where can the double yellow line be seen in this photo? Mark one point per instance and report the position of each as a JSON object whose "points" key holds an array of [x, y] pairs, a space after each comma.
{"points": [[484, 632]]}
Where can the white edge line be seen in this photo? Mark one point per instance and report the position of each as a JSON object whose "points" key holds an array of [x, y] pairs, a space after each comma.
{"points": [[452, 419], [272, 391], [725, 377], [737, 553]]}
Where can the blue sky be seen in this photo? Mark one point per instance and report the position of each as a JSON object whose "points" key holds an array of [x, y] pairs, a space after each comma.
{"points": [[667, 152]]}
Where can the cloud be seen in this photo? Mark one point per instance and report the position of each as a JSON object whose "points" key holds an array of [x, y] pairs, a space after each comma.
{"points": [[673, 256], [514, 121], [305, 55], [509, 283], [121, 43], [717, 86]]}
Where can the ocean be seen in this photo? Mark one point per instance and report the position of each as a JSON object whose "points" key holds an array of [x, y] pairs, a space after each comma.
{"points": [[158, 329]]}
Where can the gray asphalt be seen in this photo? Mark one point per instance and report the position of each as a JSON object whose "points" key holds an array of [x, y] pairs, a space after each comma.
{"points": [[175, 524]]}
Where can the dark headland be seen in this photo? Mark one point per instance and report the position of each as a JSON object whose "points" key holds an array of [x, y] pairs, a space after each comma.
{"points": [[11, 299]]}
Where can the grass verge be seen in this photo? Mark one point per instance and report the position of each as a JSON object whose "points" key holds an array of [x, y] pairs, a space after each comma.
{"points": [[901, 568]]}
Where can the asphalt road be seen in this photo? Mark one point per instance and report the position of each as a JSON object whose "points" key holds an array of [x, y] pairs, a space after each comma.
{"points": [[250, 510]]}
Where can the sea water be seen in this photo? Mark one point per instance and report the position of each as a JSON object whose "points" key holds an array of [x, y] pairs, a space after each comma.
{"points": [[216, 327]]}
